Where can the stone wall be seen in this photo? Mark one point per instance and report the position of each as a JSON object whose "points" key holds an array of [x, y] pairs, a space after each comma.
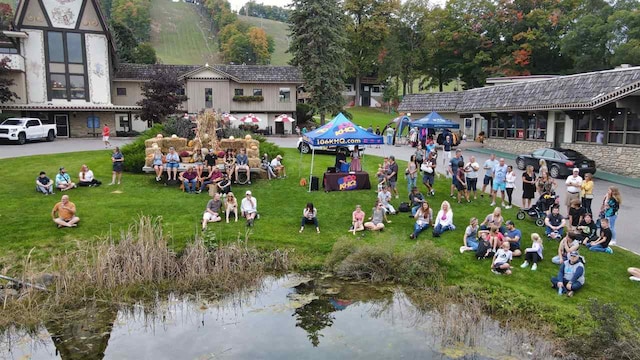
{"points": [[513, 146], [619, 160]]}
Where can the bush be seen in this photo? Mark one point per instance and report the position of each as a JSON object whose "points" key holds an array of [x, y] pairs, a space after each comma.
{"points": [[304, 113], [270, 149], [134, 153], [180, 126], [131, 133]]}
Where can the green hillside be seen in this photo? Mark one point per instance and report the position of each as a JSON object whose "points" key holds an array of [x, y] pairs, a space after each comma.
{"points": [[280, 33], [180, 35]]}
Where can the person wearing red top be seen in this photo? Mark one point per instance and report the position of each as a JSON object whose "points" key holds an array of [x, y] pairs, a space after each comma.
{"points": [[106, 132]]}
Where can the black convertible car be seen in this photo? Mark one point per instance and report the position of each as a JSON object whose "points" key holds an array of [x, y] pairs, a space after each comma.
{"points": [[559, 161]]}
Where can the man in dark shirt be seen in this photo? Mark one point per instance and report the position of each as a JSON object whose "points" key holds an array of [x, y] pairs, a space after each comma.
{"points": [[446, 145], [44, 184], [576, 212], [210, 160], [587, 230], [513, 236], [602, 244], [555, 223], [453, 170], [392, 175], [341, 158], [416, 198]]}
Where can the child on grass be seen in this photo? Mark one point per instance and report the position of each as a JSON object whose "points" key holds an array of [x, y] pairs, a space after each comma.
{"points": [[534, 253], [500, 263]]}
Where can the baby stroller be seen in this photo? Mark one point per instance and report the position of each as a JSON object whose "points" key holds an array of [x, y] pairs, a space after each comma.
{"points": [[538, 211]]}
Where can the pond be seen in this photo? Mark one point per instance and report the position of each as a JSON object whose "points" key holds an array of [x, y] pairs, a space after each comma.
{"points": [[290, 317]]}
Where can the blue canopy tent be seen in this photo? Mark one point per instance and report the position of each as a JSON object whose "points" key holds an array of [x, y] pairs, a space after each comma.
{"points": [[339, 132], [431, 121]]}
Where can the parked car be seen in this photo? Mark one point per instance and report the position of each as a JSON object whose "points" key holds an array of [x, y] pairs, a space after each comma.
{"points": [[305, 148], [560, 161], [22, 129]]}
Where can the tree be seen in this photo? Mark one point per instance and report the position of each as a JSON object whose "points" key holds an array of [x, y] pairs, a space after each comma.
{"points": [[6, 94], [367, 30], [125, 42], [238, 50], [160, 96], [318, 48], [144, 53], [260, 45], [135, 15]]}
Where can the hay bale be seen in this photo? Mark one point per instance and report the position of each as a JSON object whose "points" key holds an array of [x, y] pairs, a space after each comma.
{"points": [[253, 153], [149, 152], [149, 142], [148, 160], [254, 162], [235, 144], [252, 143], [178, 143]]}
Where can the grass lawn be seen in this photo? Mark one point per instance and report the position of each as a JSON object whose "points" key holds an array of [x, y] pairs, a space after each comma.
{"points": [[180, 35], [280, 33], [365, 116], [26, 224]]}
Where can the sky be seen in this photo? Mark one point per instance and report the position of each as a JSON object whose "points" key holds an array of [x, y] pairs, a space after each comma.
{"points": [[237, 4]]}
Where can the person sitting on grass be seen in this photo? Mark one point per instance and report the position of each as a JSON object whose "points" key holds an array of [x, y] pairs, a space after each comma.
{"points": [[224, 185], [242, 163], [212, 211], [566, 246], [249, 208], [377, 219], [501, 260], [189, 179], [64, 213], [44, 184], [86, 177], [587, 230], [357, 220], [173, 162], [278, 168], [424, 217], [158, 163], [63, 180], [416, 199], [533, 255], [513, 236], [309, 216], [570, 276], [496, 238], [602, 243], [444, 220], [635, 274], [494, 219], [231, 206], [470, 238], [384, 196], [555, 223]]}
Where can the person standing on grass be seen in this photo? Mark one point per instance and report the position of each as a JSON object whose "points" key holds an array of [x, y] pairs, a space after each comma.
{"points": [[428, 168], [423, 216], [587, 192], [528, 187], [392, 175], [44, 184], [446, 145], [471, 173], [602, 243], [309, 216], [412, 173], [510, 185], [488, 174], [533, 255], [461, 183], [501, 260], [452, 171], [212, 211], [106, 133], [610, 206], [499, 182], [574, 186], [117, 159], [570, 276], [249, 208], [64, 213]]}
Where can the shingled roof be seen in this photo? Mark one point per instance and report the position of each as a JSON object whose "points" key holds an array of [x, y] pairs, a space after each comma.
{"points": [[579, 92], [442, 102], [239, 73]]}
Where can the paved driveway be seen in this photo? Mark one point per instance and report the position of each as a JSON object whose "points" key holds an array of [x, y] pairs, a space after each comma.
{"points": [[56, 147]]}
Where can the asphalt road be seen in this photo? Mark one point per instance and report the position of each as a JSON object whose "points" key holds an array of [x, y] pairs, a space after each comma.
{"points": [[626, 227]]}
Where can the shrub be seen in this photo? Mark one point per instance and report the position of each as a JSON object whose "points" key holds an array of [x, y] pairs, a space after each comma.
{"points": [[271, 149], [304, 113], [248, 98], [131, 133], [134, 153], [341, 249], [180, 126]]}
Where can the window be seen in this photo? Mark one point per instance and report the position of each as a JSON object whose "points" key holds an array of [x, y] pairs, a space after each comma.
{"points": [[58, 86], [537, 126], [121, 91], [93, 122], [208, 98], [31, 123], [633, 129], [375, 89], [76, 83], [238, 92], [180, 91], [257, 92], [520, 125], [74, 48], [56, 48], [285, 95], [123, 121], [497, 126]]}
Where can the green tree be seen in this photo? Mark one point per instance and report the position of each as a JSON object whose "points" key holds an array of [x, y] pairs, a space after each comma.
{"points": [[135, 15], [625, 23], [125, 41], [144, 53], [440, 55], [6, 94], [160, 97], [318, 48], [367, 29], [238, 50]]}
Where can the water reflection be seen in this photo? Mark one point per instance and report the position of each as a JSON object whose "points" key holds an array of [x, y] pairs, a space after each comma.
{"points": [[288, 317]]}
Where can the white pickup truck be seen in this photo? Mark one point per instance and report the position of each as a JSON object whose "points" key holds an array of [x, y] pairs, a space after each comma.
{"points": [[23, 129]]}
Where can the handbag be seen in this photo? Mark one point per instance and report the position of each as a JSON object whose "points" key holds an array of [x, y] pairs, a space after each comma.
{"points": [[426, 167]]}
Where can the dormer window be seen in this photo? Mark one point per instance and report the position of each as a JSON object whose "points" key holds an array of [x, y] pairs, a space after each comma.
{"points": [[66, 66]]}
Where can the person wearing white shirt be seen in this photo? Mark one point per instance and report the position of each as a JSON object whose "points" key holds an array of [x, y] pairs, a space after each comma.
{"points": [[278, 168], [249, 208], [86, 177], [471, 170], [444, 219], [574, 186], [384, 196], [488, 173], [511, 184]]}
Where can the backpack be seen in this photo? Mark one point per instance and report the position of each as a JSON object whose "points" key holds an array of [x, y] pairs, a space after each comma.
{"points": [[484, 250], [404, 207]]}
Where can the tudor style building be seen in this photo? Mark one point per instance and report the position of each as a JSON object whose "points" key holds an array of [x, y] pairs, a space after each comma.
{"points": [[595, 113], [65, 71]]}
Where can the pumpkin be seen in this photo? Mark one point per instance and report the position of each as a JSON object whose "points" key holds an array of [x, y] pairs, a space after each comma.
{"points": [[159, 136], [174, 136], [231, 137], [303, 182], [190, 143], [253, 147], [248, 137]]}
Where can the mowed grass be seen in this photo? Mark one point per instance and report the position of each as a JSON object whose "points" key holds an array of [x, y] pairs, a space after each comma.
{"points": [[365, 116], [26, 225], [180, 35], [280, 33]]}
